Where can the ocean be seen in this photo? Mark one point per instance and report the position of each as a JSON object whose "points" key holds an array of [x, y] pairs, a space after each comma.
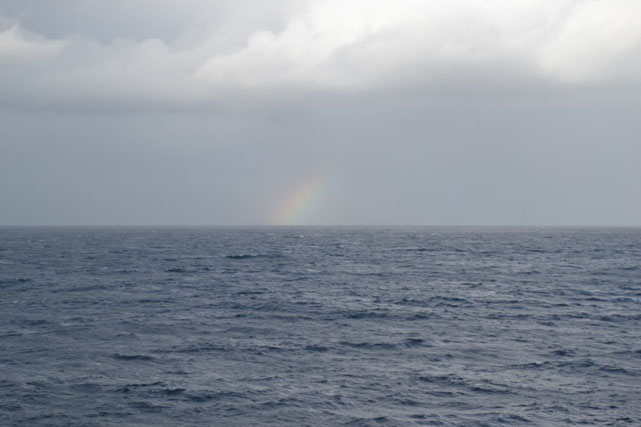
{"points": [[320, 326]]}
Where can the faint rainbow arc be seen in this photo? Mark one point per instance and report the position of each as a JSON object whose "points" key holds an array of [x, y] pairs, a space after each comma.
{"points": [[300, 202]]}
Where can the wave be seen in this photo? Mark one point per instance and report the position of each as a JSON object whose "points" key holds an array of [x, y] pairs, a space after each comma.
{"points": [[407, 343], [253, 256], [132, 357]]}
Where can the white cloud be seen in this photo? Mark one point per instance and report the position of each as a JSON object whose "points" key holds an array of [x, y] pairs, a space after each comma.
{"points": [[365, 43], [17, 45], [598, 40]]}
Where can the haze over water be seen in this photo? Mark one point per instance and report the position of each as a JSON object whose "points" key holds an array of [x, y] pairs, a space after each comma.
{"points": [[335, 112], [320, 326]]}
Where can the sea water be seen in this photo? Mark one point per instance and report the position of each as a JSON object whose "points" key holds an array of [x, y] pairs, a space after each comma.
{"points": [[320, 326]]}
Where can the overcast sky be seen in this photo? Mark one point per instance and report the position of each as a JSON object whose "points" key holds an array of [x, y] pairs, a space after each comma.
{"points": [[493, 112]]}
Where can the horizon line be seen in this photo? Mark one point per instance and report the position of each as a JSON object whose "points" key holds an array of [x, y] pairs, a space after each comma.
{"points": [[328, 225]]}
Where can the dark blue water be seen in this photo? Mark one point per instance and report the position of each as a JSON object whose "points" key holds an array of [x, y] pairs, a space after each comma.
{"points": [[320, 326]]}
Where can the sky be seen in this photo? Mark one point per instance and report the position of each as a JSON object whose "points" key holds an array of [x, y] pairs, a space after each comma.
{"points": [[310, 112]]}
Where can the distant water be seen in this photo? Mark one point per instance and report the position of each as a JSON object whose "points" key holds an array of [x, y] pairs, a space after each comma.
{"points": [[320, 326]]}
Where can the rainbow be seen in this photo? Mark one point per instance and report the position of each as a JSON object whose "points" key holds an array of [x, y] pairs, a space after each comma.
{"points": [[295, 208]]}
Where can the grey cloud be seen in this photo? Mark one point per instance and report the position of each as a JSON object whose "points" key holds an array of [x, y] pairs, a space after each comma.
{"points": [[232, 51], [138, 20]]}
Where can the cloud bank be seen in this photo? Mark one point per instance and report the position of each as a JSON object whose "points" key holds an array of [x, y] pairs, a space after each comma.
{"points": [[324, 45]]}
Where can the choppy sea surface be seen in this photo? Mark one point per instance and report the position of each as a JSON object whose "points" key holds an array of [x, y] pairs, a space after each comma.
{"points": [[320, 326]]}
